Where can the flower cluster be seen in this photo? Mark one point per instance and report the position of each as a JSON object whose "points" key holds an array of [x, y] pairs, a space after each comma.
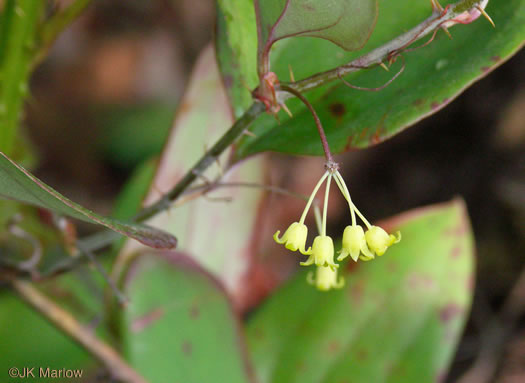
{"points": [[356, 242]]}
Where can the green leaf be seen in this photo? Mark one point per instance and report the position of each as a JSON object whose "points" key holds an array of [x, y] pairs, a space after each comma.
{"points": [[204, 117], [235, 42], [398, 319], [347, 23], [179, 325], [18, 24], [433, 77], [29, 340], [18, 184]]}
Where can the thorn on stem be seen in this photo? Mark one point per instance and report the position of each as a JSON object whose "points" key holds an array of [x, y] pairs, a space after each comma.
{"points": [[383, 65], [217, 199], [374, 89], [219, 167], [285, 108], [202, 177], [249, 133], [245, 85], [157, 190], [486, 15], [292, 77], [436, 7], [445, 29]]}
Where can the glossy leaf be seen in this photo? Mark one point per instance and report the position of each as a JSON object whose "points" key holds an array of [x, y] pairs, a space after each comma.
{"points": [[347, 23], [398, 319], [179, 325], [433, 77], [18, 184], [235, 50], [203, 117]]}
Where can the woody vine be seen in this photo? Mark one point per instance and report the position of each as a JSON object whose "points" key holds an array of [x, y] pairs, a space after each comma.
{"points": [[361, 240]]}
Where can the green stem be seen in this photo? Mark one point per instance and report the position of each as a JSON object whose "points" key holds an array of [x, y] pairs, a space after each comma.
{"points": [[368, 225], [209, 158], [384, 52], [19, 19], [56, 25], [353, 205], [318, 219], [325, 207], [375, 57], [312, 196], [344, 190]]}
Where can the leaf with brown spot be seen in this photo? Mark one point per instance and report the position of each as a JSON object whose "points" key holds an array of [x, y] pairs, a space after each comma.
{"points": [[449, 312], [146, 320], [206, 116], [399, 326], [178, 321], [437, 72], [337, 109]]}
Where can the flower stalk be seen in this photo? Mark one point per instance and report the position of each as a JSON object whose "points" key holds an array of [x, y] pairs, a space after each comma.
{"points": [[285, 91], [322, 134], [356, 242]]}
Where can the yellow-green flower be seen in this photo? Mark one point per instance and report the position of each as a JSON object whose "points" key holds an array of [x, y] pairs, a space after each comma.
{"points": [[321, 253], [375, 240], [325, 279], [379, 240], [294, 238], [354, 243]]}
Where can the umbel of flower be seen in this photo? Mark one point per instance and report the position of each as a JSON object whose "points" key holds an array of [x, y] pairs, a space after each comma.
{"points": [[356, 242]]}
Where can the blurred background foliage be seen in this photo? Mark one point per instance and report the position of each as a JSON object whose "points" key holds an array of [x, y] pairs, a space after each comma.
{"points": [[103, 101]]}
